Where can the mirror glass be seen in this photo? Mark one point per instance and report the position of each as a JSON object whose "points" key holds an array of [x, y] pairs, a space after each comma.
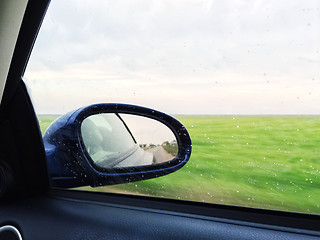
{"points": [[126, 140]]}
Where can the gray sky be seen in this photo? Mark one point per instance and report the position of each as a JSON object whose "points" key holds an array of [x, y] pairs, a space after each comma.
{"points": [[180, 57]]}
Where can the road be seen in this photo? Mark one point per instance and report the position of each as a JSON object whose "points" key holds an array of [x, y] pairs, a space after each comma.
{"points": [[160, 154]]}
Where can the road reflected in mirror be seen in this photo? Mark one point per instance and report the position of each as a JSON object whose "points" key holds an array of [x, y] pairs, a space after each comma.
{"points": [[152, 136], [125, 140]]}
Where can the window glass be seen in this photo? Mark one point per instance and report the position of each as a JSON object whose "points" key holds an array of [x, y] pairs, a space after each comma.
{"points": [[242, 76]]}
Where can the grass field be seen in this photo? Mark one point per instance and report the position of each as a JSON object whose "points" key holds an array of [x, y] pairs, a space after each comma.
{"points": [[45, 121], [268, 162]]}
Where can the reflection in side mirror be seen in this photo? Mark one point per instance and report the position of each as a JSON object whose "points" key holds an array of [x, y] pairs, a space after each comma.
{"points": [[105, 144], [124, 140]]}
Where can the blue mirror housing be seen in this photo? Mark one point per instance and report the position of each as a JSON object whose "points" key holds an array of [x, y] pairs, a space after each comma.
{"points": [[71, 164]]}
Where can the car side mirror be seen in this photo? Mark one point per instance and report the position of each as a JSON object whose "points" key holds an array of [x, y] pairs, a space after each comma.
{"points": [[107, 144]]}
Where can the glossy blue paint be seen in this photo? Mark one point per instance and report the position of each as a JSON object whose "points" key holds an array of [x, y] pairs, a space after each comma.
{"points": [[69, 164]]}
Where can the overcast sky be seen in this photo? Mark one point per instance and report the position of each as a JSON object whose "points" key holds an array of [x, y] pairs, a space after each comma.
{"points": [[180, 57]]}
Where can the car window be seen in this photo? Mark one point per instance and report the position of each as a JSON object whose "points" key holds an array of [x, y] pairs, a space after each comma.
{"points": [[242, 76]]}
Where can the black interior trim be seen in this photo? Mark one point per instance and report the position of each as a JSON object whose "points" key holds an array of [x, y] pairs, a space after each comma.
{"points": [[66, 218], [21, 140], [298, 221], [22, 149]]}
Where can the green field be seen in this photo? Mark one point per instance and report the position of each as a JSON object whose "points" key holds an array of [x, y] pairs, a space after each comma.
{"points": [[268, 162], [45, 121]]}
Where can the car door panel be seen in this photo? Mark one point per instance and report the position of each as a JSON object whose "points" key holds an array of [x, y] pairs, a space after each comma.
{"points": [[57, 217]]}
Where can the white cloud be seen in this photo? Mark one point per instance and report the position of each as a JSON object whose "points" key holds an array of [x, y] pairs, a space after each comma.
{"points": [[212, 57]]}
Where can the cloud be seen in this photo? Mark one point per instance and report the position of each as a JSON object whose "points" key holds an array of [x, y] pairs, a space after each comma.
{"points": [[213, 57]]}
